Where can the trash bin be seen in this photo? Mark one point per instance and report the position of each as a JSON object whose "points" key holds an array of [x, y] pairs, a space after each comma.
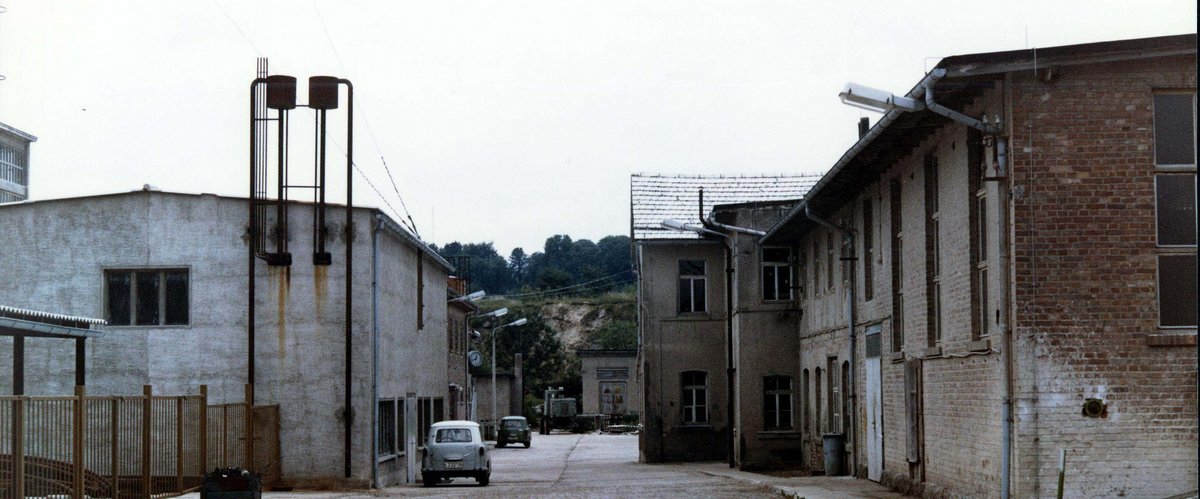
{"points": [[231, 483], [835, 453]]}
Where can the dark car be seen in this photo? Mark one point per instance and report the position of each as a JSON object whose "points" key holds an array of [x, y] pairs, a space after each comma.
{"points": [[513, 429]]}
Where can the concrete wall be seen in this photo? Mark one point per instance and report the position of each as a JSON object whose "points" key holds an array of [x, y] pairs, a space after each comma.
{"points": [[592, 360], [504, 396], [57, 256], [672, 343]]}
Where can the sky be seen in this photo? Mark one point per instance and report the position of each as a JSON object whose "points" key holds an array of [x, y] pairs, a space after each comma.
{"points": [[501, 121]]}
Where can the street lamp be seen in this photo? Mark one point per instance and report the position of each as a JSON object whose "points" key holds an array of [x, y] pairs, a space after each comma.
{"points": [[518, 322], [475, 335], [471, 297]]}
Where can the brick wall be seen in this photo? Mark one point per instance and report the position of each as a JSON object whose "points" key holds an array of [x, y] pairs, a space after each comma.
{"points": [[1085, 286]]}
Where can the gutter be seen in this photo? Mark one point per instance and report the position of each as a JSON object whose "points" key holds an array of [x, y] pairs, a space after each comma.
{"points": [[851, 296]]}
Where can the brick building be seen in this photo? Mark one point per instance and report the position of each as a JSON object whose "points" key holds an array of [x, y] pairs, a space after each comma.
{"points": [[1002, 272], [1024, 277]]}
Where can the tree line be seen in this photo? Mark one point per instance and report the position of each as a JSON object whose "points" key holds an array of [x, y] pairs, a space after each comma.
{"points": [[577, 265]]}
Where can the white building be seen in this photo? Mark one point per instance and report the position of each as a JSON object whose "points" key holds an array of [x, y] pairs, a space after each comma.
{"points": [[14, 164]]}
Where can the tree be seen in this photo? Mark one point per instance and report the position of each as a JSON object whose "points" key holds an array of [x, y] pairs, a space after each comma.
{"points": [[518, 264]]}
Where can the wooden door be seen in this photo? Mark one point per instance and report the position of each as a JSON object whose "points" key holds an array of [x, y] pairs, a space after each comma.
{"points": [[874, 421]]}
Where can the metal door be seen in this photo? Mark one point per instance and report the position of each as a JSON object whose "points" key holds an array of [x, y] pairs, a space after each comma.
{"points": [[874, 405], [612, 397]]}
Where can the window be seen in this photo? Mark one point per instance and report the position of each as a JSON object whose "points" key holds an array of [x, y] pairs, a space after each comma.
{"points": [[977, 221], [1175, 207], [695, 397], [146, 297], [829, 259], [933, 263], [776, 274], [818, 428], [816, 255], [868, 232], [387, 442], [691, 286], [897, 268], [805, 412], [802, 271], [777, 402], [833, 405]]}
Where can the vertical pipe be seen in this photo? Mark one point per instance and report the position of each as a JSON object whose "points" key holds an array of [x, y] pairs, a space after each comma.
{"points": [[18, 364], [320, 235], [1007, 351], [248, 428], [80, 362], [252, 227], [281, 180], [374, 331], [348, 422]]}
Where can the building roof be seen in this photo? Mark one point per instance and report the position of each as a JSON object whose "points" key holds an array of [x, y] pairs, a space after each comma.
{"points": [[386, 221], [45, 324], [967, 77], [18, 133], [654, 198]]}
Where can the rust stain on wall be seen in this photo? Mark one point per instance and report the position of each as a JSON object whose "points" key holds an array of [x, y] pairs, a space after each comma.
{"points": [[282, 280], [320, 289]]}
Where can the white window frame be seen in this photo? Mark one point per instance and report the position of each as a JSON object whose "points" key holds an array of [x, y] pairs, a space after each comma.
{"points": [[698, 412], [784, 294]]}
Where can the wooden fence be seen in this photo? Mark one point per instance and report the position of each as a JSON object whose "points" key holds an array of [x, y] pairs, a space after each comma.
{"points": [[118, 447]]}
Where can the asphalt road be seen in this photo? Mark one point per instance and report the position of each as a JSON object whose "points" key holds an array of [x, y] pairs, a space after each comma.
{"points": [[568, 465]]}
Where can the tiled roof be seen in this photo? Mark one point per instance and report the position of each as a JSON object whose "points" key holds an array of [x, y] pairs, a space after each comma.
{"points": [[655, 198]]}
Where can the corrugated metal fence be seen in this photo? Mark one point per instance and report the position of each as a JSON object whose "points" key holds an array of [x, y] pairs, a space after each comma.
{"points": [[118, 447]]}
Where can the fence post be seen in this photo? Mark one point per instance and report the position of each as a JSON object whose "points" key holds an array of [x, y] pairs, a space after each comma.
{"points": [[146, 417], [77, 442], [179, 407], [249, 427], [115, 416], [18, 446], [203, 430]]}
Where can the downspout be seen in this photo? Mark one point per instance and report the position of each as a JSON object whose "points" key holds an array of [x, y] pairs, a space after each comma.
{"points": [[730, 370], [348, 411], [996, 131], [375, 347], [850, 298]]}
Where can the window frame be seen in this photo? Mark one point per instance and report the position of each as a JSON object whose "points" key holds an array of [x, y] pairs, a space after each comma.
{"points": [[395, 425], [785, 264], [696, 409], [1163, 251], [772, 396], [161, 305], [691, 278]]}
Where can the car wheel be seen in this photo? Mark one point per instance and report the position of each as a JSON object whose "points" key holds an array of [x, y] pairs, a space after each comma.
{"points": [[526, 445], [428, 479], [501, 444], [483, 478]]}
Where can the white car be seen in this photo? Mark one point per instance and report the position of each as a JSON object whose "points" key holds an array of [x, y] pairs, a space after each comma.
{"points": [[455, 448]]}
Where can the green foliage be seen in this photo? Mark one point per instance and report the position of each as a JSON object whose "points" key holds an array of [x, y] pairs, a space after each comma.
{"points": [[583, 266], [615, 335]]}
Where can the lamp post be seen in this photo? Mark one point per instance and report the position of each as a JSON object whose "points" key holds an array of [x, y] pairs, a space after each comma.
{"points": [[495, 313], [518, 322]]}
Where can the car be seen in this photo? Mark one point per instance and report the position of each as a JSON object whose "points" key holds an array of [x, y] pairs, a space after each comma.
{"points": [[455, 449], [513, 429]]}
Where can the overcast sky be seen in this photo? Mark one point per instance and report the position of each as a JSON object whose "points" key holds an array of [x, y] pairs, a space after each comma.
{"points": [[500, 121]]}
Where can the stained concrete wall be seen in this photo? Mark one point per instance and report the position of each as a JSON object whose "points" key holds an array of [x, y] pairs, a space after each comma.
{"points": [[58, 250], [671, 343]]}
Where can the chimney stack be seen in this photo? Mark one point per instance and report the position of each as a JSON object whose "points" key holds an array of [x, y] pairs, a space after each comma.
{"points": [[864, 125]]}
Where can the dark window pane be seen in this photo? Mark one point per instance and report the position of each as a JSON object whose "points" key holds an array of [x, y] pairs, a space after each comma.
{"points": [[768, 283], [1174, 138], [177, 297], [698, 299], [1177, 290], [685, 295], [1176, 204], [147, 298], [775, 254], [691, 267], [118, 298], [785, 283]]}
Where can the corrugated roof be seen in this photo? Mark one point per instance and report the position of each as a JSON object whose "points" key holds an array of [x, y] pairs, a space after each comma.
{"points": [[655, 198]]}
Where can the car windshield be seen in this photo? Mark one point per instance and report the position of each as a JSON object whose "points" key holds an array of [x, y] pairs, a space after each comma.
{"points": [[514, 424], [453, 435]]}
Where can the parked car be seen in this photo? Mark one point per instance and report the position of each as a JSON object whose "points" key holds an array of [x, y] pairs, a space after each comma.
{"points": [[455, 449], [513, 429]]}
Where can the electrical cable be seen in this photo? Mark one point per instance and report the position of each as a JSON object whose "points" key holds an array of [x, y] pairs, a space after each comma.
{"points": [[568, 288]]}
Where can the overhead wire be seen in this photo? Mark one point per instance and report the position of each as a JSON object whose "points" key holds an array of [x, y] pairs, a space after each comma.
{"points": [[367, 122], [238, 28], [568, 288]]}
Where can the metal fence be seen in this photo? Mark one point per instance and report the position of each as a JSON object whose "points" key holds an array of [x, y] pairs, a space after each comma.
{"points": [[117, 447]]}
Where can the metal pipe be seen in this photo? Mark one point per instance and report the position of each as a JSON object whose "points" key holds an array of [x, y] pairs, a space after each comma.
{"points": [[730, 370], [374, 342], [708, 221], [252, 223], [929, 82], [348, 412], [851, 296]]}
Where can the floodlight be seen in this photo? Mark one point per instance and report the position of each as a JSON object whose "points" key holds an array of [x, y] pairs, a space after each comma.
{"points": [[873, 99]]}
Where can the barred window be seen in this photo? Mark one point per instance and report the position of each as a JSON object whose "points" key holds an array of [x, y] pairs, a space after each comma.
{"points": [[387, 441], [146, 297]]}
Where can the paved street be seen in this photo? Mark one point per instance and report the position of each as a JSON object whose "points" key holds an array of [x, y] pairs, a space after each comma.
{"points": [[560, 464]]}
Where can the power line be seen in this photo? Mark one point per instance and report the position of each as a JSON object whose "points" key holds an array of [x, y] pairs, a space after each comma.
{"points": [[567, 288], [238, 28]]}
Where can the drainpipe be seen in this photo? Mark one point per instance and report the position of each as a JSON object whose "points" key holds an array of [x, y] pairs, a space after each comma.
{"points": [[851, 296], [375, 346], [730, 370]]}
